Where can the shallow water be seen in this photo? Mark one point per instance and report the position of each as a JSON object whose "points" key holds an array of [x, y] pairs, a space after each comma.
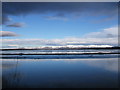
{"points": [[60, 73]]}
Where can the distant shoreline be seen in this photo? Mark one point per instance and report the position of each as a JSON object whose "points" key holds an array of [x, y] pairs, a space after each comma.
{"points": [[63, 48], [99, 53], [59, 54]]}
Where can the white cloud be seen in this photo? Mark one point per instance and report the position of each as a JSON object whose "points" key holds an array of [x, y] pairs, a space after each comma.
{"points": [[106, 36], [7, 34], [106, 33], [55, 18], [13, 45], [16, 25]]}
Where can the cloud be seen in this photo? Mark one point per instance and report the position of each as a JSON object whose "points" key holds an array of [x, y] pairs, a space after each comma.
{"points": [[59, 16], [16, 25], [107, 36], [60, 8], [61, 42], [106, 33], [13, 45], [7, 34], [5, 19], [105, 19], [55, 18]]}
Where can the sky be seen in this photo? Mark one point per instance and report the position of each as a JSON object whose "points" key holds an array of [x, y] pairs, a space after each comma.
{"points": [[59, 23]]}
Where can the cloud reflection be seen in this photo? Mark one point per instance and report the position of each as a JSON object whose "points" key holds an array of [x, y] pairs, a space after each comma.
{"points": [[110, 64]]}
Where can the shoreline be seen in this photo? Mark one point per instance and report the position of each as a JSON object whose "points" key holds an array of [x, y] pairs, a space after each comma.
{"points": [[78, 59], [63, 48]]}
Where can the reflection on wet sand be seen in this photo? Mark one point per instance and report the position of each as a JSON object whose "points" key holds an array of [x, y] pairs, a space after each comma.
{"points": [[60, 73], [12, 78], [8, 65], [110, 64]]}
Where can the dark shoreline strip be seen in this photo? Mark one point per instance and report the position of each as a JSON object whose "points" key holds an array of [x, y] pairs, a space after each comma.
{"points": [[62, 48], [57, 53]]}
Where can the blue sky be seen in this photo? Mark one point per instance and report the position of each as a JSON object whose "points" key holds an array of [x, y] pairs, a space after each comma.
{"points": [[50, 21], [40, 27]]}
